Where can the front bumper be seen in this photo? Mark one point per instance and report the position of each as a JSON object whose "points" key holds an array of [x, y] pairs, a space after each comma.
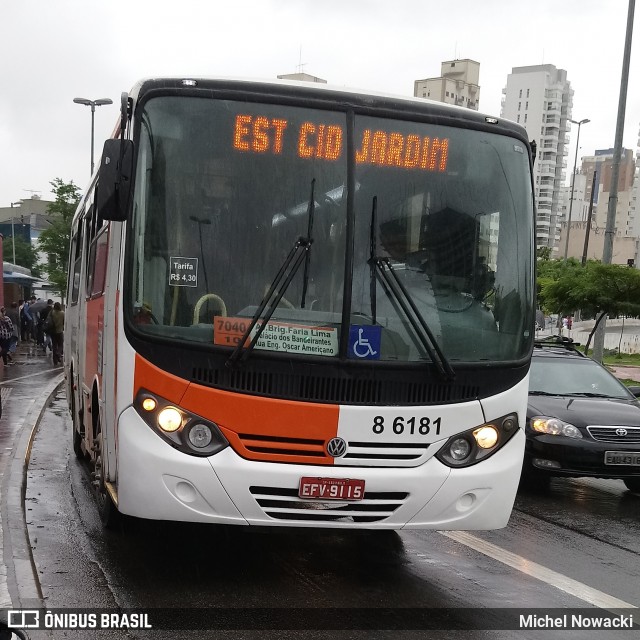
{"points": [[158, 482], [576, 457]]}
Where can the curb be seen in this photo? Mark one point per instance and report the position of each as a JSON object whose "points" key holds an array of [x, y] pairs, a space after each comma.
{"points": [[22, 577]]}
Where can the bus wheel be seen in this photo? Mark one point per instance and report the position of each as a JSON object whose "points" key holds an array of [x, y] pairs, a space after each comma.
{"points": [[77, 438], [109, 514]]}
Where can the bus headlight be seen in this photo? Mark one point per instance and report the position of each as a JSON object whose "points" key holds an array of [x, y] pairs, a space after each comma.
{"points": [[182, 429], [200, 435], [486, 437], [170, 419], [474, 445]]}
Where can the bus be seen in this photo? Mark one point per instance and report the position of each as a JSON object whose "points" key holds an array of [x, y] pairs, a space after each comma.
{"points": [[296, 305]]}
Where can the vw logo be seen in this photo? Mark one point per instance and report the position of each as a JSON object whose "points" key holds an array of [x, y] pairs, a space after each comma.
{"points": [[336, 447], [621, 432]]}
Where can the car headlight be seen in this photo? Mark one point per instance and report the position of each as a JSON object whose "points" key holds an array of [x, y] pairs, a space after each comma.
{"points": [[554, 427], [182, 429], [474, 445]]}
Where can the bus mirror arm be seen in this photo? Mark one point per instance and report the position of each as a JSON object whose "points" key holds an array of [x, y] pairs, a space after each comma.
{"points": [[116, 171]]}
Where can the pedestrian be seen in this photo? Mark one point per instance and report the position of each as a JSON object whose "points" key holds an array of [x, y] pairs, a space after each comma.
{"points": [[25, 321], [44, 328], [56, 324], [34, 319], [6, 334], [14, 313]]}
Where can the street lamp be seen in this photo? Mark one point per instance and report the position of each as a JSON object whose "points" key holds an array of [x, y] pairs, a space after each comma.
{"points": [[93, 104], [13, 234], [573, 183]]}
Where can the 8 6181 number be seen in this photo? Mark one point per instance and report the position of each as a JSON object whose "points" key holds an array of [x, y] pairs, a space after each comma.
{"points": [[399, 425]]}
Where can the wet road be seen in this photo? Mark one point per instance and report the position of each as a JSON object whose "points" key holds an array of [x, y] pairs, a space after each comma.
{"points": [[576, 545]]}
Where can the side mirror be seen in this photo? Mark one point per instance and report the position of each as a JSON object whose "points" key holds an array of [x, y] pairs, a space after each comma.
{"points": [[635, 390], [114, 180]]}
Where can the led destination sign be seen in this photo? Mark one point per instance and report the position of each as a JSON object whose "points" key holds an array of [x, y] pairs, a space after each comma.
{"points": [[259, 134]]}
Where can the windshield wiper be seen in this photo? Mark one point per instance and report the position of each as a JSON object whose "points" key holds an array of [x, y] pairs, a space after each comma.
{"points": [[277, 289], [395, 286]]}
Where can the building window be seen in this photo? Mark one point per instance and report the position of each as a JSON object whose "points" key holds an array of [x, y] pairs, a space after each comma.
{"points": [[518, 117], [527, 93], [525, 117], [520, 96], [526, 106], [519, 105]]}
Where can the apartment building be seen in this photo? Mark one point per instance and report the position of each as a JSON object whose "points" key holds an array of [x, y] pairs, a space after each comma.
{"points": [[595, 176], [602, 164], [458, 84], [540, 98]]}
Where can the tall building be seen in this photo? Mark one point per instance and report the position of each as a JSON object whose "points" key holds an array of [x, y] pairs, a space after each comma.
{"points": [[635, 200], [627, 226], [458, 84], [540, 98], [602, 164]]}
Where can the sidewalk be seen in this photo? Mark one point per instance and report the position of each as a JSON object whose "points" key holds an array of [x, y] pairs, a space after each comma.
{"points": [[26, 388], [626, 372]]}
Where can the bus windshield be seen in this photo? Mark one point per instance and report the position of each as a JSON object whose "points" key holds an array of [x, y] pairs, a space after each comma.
{"points": [[225, 189]]}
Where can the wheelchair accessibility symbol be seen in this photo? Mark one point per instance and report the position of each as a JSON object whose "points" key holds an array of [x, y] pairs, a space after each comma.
{"points": [[364, 342]]}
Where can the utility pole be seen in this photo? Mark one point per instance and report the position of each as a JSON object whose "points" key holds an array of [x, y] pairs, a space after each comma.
{"points": [[607, 252], [588, 231]]}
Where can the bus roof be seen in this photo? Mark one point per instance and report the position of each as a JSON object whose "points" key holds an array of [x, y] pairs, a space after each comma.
{"points": [[362, 98]]}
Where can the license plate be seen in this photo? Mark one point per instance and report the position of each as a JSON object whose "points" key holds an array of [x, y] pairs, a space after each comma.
{"points": [[331, 488], [623, 458]]}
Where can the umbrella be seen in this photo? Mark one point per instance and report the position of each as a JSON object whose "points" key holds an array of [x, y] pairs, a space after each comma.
{"points": [[38, 306]]}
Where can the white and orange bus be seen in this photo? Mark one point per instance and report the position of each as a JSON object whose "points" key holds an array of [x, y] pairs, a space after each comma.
{"points": [[295, 305]]}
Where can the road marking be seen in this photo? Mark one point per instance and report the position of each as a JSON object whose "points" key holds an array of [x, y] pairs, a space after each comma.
{"points": [[568, 585], [31, 375]]}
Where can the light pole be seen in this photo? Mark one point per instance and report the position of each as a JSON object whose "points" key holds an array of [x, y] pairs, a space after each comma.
{"points": [[573, 183], [13, 234], [93, 104]]}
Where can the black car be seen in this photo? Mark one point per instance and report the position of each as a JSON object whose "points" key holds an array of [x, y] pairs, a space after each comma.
{"points": [[581, 420]]}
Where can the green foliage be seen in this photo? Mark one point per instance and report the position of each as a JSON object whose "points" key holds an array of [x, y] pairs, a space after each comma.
{"points": [[26, 255], [595, 289], [543, 253], [54, 241], [550, 272]]}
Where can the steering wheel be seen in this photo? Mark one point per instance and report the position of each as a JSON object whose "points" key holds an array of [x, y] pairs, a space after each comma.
{"points": [[222, 307]]}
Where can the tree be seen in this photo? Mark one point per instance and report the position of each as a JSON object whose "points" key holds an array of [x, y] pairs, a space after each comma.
{"points": [[54, 241], [26, 255], [596, 289]]}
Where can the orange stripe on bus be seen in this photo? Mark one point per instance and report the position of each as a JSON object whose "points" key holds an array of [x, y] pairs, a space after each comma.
{"points": [[148, 376], [257, 428]]}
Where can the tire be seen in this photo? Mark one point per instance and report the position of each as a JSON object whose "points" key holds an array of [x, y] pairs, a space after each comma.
{"points": [[633, 484], [77, 438], [109, 514]]}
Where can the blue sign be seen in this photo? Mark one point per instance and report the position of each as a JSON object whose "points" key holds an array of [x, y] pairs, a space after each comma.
{"points": [[364, 341]]}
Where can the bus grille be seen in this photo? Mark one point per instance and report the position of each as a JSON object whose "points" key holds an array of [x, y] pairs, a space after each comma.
{"points": [[631, 435], [359, 454], [334, 390], [284, 504]]}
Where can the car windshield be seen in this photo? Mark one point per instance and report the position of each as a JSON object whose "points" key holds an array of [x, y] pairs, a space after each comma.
{"points": [[574, 377]]}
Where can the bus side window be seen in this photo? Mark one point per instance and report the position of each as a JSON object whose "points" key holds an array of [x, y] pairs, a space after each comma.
{"points": [[76, 257], [97, 264]]}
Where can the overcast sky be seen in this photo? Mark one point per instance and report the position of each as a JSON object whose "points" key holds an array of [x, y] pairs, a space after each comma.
{"points": [[54, 50]]}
